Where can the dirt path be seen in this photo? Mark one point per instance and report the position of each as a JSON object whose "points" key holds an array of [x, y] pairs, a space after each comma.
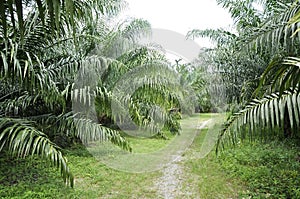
{"points": [[169, 185]]}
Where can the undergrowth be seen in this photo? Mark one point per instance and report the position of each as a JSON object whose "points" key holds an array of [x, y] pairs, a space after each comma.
{"points": [[270, 170]]}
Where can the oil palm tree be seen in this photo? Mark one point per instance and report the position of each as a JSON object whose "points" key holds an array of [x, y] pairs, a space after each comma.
{"points": [[267, 43], [39, 60], [46, 56], [274, 109]]}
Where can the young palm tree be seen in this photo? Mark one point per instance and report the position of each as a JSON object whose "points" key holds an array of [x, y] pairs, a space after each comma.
{"points": [[46, 60], [277, 110], [151, 82], [39, 61], [267, 43]]}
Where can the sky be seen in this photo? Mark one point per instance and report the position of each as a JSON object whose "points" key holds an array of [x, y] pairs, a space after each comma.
{"points": [[181, 15]]}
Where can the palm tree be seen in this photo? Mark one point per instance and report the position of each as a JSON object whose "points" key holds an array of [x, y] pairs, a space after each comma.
{"points": [[275, 110], [46, 56], [266, 42], [37, 73]]}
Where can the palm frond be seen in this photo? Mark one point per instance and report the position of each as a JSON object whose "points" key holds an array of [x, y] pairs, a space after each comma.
{"points": [[275, 33], [242, 12], [17, 105], [22, 139], [285, 74], [220, 36], [57, 11], [123, 38], [248, 89], [81, 126], [135, 29], [88, 131], [262, 118]]}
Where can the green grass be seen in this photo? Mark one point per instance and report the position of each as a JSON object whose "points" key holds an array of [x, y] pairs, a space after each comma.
{"points": [[149, 154], [29, 179], [205, 175], [152, 144], [34, 179], [270, 170], [92, 178], [148, 145]]}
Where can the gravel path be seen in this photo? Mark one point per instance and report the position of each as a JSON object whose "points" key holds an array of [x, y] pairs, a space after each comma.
{"points": [[169, 185]]}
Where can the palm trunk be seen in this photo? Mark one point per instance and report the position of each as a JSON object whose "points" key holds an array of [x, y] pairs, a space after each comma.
{"points": [[287, 129]]}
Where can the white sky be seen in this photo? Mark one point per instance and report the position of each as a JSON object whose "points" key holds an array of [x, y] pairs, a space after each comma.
{"points": [[181, 16]]}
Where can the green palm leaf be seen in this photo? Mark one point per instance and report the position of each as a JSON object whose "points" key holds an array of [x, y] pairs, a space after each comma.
{"points": [[84, 128], [281, 75], [57, 11], [22, 139], [274, 33], [266, 115], [220, 36]]}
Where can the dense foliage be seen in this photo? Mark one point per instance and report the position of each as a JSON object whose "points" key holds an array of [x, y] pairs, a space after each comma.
{"points": [[69, 72], [259, 64], [60, 66]]}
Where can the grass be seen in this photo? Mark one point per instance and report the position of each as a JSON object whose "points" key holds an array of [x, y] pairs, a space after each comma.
{"points": [[262, 171], [34, 179], [270, 170], [204, 174], [148, 145], [148, 154]]}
